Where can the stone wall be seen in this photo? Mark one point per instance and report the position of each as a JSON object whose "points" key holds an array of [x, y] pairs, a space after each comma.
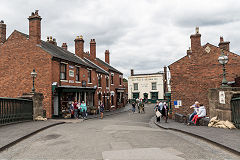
{"points": [[223, 111]]}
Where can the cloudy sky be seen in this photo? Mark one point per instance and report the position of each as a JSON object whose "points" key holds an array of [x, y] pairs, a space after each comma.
{"points": [[141, 34]]}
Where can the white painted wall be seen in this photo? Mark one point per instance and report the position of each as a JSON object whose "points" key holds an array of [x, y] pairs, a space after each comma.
{"points": [[145, 85]]}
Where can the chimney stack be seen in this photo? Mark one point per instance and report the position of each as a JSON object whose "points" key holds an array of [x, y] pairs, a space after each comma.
{"points": [[107, 56], [196, 40], [64, 46], [35, 27], [223, 45], [79, 46], [92, 49], [132, 72], [2, 32]]}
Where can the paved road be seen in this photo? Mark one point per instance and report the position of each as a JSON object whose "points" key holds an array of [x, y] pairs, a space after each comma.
{"points": [[125, 136]]}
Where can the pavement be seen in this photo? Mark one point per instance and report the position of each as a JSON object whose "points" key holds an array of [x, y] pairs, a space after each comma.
{"points": [[225, 138], [13, 133]]}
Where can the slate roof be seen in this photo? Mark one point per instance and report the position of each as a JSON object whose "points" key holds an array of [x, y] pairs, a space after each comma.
{"points": [[98, 69], [108, 66]]}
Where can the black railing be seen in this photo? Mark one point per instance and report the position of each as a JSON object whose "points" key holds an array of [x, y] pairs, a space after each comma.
{"points": [[15, 110], [236, 111]]}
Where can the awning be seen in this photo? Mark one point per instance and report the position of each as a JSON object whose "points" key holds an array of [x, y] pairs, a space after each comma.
{"points": [[76, 89]]}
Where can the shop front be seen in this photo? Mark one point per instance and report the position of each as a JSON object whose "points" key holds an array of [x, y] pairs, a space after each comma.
{"points": [[65, 95], [120, 97]]}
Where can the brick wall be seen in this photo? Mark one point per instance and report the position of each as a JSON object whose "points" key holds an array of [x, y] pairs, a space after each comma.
{"points": [[18, 58], [193, 75]]}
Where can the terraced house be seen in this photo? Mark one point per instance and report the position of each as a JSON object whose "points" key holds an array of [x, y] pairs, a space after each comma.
{"points": [[62, 76]]}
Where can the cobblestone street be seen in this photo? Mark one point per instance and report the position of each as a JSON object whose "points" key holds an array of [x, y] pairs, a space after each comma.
{"points": [[124, 136]]}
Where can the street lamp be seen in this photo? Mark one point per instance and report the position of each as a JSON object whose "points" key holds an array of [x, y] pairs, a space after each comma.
{"points": [[223, 59], [33, 75]]}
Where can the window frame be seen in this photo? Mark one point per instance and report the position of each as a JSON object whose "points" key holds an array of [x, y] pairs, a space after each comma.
{"points": [[63, 72], [77, 78], [155, 85], [135, 89], [89, 77]]}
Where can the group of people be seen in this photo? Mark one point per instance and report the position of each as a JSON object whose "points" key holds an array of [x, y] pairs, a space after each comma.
{"points": [[161, 110], [198, 113], [78, 109], [139, 104]]}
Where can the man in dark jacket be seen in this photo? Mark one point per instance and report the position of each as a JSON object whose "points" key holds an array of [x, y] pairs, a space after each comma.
{"points": [[165, 111]]}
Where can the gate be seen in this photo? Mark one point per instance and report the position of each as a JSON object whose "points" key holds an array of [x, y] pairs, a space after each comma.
{"points": [[15, 110], [235, 105]]}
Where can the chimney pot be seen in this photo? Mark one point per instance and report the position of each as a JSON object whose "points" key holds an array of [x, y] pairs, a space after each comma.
{"points": [[132, 72], [2, 32], [223, 45], [107, 58], [196, 41]]}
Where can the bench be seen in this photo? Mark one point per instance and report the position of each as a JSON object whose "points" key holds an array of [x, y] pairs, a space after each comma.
{"points": [[180, 118]]}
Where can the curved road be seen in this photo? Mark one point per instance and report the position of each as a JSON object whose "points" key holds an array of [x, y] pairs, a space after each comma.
{"points": [[125, 136]]}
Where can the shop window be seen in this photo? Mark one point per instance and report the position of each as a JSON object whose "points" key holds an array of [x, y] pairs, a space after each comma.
{"points": [[89, 76], [77, 74], [154, 86], [107, 82], [120, 79], [63, 71], [99, 81], [112, 100], [112, 78], [135, 86]]}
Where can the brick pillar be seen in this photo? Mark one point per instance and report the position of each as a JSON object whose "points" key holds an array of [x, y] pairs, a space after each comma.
{"points": [[35, 27], [37, 99]]}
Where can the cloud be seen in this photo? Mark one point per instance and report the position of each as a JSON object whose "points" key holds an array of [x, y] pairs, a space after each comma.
{"points": [[141, 34]]}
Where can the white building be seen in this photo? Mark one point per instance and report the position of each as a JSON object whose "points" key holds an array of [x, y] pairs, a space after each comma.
{"points": [[146, 86]]}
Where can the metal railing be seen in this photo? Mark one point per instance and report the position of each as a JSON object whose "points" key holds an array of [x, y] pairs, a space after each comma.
{"points": [[15, 110]]}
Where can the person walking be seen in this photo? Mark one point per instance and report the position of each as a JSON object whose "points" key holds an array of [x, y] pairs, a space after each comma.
{"points": [[165, 111], [75, 110], [101, 107], [160, 106], [84, 109], [133, 107]]}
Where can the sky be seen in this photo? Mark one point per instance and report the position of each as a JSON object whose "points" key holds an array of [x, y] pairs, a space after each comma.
{"points": [[144, 35]]}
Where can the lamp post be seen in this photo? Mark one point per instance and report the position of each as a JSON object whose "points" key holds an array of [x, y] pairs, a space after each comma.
{"points": [[33, 75], [223, 59]]}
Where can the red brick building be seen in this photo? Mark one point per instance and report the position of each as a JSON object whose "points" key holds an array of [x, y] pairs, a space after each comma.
{"points": [[62, 76], [199, 70]]}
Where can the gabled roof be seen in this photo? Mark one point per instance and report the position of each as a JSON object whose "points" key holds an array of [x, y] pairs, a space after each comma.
{"points": [[108, 66], [58, 52], [98, 68]]}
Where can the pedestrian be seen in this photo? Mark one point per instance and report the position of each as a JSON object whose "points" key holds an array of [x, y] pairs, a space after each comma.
{"points": [[141, 106], [201, 113], [101, 107], [79, 108], [75, 110], [195, 106], [158, 115], [84, 109], [165, 111], [137, 103], [133, 107], [160, 106], [71, 108]]}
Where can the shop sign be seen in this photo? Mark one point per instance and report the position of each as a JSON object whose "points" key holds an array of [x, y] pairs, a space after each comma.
{"points": [[177, 103], [71, 67], [71, 81], [222, 97], [71, 73]]}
